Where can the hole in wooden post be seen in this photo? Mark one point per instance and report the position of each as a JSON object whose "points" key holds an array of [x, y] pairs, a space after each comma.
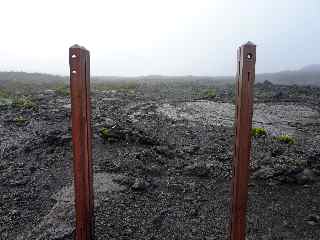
{"points": [[74, 72], [74, 56], [249, 56]]}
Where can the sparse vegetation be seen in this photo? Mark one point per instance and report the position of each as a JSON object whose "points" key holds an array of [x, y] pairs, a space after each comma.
{"points": [[62, 90], [5, 98], [5, 101], [20, 121], [210, 93], [125, 86], [162, 139], [104, 133], [23, 102], [258, 132], [3, 94], [285, 139]]}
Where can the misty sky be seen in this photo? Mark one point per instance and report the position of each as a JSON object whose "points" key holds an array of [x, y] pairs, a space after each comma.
{"points": [[169, 37]]}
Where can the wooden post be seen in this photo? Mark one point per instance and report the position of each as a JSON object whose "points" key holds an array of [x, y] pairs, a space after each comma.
{"points": [[79, 59], [243, 124]]}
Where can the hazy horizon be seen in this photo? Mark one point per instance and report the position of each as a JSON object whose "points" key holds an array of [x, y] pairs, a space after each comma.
{"points": [[172, 38]]}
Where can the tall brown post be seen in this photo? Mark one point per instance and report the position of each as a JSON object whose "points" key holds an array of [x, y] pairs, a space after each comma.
{"points": [[243, 124], [79, 59]]}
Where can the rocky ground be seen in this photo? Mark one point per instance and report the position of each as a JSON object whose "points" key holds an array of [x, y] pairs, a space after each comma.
{"points": [[163, 164]]}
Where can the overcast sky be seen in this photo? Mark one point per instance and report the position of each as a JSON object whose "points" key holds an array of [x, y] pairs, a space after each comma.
{"points": [[169, 37]]}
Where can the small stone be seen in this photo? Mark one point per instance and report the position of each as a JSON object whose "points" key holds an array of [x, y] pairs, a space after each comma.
{"points": [[140, 184], [160, 217], [198, 169], [165, 150], [277, 151], [125, 180], [265, 172], [313, 219], [67, 106], [156, 182], [154, 170], [191, 149], [109, 122], [66, 138], [49, 91], [306, 176]]}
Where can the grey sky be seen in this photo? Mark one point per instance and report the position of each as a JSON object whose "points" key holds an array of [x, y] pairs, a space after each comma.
{"points": [[168, 37]]}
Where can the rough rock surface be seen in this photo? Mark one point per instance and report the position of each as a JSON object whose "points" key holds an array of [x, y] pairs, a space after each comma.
{"points": [[277, 119], [57, 224], [163, 169]]}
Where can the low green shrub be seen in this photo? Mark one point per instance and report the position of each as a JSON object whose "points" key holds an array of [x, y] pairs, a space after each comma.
{"points": [[4, 94], [285, 139], [210, 93], [258, 132], [123, 86], [23, 102], [5, 98], [5, 101], [63, 90], [20, 121], [104, 133]]}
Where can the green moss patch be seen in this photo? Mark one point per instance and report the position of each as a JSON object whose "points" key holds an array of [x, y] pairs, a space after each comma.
{"points": [[285, 139], [23, 102], [62, 90], [210, 93], [258, 132], [104, 133], [20, 121]]}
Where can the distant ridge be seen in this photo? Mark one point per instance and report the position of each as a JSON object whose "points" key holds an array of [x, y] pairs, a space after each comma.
{"points": [[31, 77], [311, 68], [308, 75]]}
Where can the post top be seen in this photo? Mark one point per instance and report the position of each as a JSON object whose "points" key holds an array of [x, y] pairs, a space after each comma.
{"points": [[249, 43], [78, 46]]}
